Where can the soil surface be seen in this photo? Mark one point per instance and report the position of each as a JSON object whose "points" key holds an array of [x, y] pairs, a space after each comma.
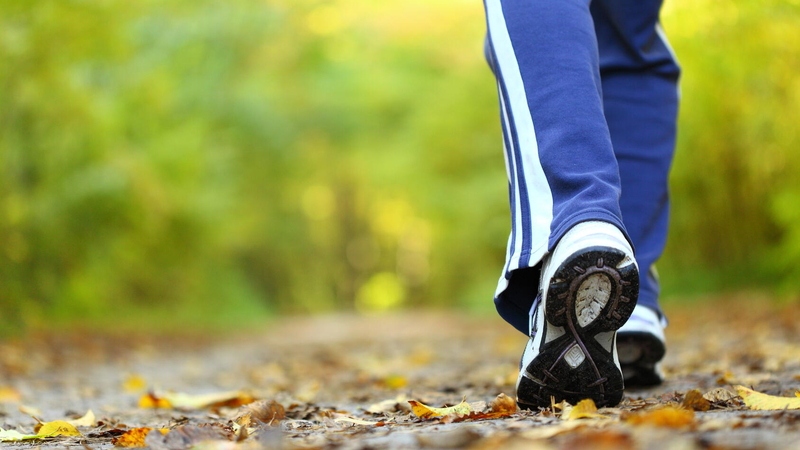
{"points": [[345, 381]]}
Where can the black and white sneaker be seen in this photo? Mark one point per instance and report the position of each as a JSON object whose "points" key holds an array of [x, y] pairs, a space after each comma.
{"points": [[588, 289], [641, 346]]}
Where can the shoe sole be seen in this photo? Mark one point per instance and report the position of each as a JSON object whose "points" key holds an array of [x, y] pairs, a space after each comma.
{"points": [[589, 298], [639, 353]]}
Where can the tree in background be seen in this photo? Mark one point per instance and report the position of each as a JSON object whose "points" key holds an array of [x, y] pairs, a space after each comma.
{"points": [[201, 160]]}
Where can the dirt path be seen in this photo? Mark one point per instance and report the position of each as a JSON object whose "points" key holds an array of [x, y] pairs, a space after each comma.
{"points": [[328, 373]]}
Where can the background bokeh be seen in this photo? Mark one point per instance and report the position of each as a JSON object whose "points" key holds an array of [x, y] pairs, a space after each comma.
{"points": [[200, 163]]}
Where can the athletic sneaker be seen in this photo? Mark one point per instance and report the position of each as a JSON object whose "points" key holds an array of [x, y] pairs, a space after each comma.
{"points": [[641, 346], [588, 289]]}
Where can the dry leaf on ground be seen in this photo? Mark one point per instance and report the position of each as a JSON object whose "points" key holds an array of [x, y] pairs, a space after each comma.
{"points": [[719, 395], [14, 435], [179, 400], [759, 401], [695, 401], [424, 411], [56, 428], [268, 412], [504, 404], [134, 438], [585, 409], [668, 416], [88, 420]]}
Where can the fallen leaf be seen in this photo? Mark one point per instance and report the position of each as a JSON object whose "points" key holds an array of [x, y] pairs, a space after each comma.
{"points": [[695, 401], [152, 401], [9, 395], [268, 412], [504, 404], [134, 438], [759, 401], [57, 428], [263, 411], [179, 400], [719, 395], [355, 421], [668, 416], [391, 405], [88, 420], [134, 383], [395, 382], [14, 435], [426, 412], [585, 409]]}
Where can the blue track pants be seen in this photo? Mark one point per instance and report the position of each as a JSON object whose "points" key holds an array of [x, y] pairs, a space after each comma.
{"points": [[588, 100]]}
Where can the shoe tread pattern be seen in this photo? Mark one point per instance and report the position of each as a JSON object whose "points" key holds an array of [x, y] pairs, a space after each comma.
{"points": [[596, 376]]}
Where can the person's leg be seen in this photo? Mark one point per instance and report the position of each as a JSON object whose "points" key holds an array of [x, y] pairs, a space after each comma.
{"points": [[640, 99], [560, 162], [567, 242]]}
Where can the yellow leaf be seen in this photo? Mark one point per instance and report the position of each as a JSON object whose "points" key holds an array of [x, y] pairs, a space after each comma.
{"points": [[9, 395], [668, 416], [757, 400], [134, 383], [395, 382], [57, 428], [151, 400], [87, 420], [426, 412], [585, 409]]}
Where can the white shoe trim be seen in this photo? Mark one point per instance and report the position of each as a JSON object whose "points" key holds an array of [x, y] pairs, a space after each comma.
{"points": [[644, 320]]}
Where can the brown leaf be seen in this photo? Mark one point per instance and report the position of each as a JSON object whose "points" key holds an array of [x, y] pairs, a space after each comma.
{"points": [[719, 395], [694, 401], [179, 400], [504, 404], [668, 416], [268, 412]]}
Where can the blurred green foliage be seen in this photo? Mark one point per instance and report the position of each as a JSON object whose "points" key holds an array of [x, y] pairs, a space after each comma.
{"points": [[197, 161]]}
